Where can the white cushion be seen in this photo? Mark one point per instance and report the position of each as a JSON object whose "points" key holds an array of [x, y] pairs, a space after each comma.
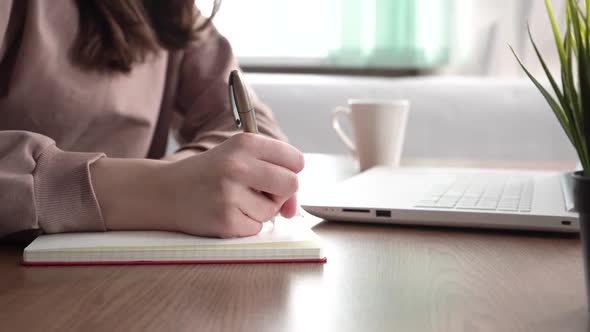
{"points": [[450, 117]]}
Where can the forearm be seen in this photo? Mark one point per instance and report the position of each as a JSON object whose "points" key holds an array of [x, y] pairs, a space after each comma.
{"points": [[214, 193], [179, 155], [132, 194]]}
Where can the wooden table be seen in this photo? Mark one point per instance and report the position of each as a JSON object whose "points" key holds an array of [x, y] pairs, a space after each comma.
{"points": [[378, 278]]}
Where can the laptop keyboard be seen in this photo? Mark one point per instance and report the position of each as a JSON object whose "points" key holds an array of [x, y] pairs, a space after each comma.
{"points": [[512, 193]]}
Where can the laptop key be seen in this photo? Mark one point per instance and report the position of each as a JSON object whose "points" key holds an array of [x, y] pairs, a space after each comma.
{"points": [[431, 198], [445, 204], [501, 193], [467, 203], [425, 204], [487, 205], [483, 207], [508, 208]]}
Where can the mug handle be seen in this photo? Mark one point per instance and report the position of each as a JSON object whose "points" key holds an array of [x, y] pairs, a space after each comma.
{"points": [[336, 114]]}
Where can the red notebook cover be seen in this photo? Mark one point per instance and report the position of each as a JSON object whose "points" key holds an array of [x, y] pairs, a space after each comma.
{"points": [[248, 261]]}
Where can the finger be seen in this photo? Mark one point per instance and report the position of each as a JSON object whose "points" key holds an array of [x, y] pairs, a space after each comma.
{"points": [[289, 208], [257, 206], [273, 151], [246, 226], [275, 180], [279, 200]]}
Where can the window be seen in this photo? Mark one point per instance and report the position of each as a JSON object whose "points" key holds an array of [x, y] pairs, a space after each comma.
{"points": [[344, 33], [448, 36]]}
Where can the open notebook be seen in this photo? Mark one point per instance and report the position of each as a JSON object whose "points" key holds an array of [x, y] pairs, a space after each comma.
{"points": [[285, 241]]}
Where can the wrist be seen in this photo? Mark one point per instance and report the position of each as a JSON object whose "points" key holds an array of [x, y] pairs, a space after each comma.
{"points": [[182, 154], [129, 192]]}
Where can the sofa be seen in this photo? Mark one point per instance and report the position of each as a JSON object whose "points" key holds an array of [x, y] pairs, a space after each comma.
{"points": [[480, 118]]}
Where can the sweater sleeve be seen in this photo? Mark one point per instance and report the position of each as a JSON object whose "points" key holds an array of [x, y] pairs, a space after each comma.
{"points": [[44, 188], [202, 94]]}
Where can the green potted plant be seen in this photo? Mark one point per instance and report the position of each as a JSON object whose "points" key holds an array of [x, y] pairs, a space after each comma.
{"points": [[570, 102]]}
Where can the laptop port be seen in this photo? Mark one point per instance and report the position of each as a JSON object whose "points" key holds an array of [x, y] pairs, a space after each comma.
{"points": [[566, 222], [357, 210], [383, 213]]}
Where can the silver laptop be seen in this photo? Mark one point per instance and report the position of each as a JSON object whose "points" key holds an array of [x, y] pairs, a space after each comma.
{"points": [[504, 199]]}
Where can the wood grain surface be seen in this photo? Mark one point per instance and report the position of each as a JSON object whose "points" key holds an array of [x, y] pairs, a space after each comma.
{"points": [[378, 278]]}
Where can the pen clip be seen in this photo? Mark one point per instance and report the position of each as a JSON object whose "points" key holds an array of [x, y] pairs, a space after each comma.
{"points": [[232, 101]]}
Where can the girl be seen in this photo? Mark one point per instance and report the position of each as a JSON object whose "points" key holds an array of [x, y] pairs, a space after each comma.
{"points": [[88, 92]]}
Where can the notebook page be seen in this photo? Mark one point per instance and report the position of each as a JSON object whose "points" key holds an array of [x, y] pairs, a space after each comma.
{"points": [[283, 232]]}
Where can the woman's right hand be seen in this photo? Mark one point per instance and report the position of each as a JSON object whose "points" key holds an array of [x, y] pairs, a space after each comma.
{"points": [[228, 191]]}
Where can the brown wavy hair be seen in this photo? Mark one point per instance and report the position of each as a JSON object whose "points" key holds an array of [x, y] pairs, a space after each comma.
{"points": [[115, 34]]}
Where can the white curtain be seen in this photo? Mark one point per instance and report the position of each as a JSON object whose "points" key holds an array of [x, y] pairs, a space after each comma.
{"points": [[364, 33], [278, 28], [310, 32]]}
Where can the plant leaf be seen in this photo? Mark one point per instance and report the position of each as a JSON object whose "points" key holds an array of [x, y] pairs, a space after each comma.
{"points": [[583, 80], [547, 71], [582, 20], [556, 34], [557, 110], [567, 76], [567, 79], [586, 24], [570, 89], [579, 22], [568, 32], [571, 98]]}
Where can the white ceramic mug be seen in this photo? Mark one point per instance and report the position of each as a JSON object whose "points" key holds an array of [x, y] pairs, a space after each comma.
{"points": [[379, 128]]}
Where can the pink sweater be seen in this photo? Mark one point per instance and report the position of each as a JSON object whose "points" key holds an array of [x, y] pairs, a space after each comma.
{"points": [[55, 119]]}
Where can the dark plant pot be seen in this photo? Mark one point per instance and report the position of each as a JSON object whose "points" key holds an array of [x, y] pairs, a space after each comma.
{"points": [[582, 205]]}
